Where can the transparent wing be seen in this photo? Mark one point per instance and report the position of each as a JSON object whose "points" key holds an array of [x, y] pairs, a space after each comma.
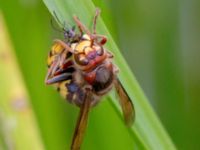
{"points": [[81, 122], [126, 103]]}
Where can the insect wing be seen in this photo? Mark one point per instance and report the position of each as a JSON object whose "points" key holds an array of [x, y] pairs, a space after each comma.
{"points": [[81, 122], [126, 103]]}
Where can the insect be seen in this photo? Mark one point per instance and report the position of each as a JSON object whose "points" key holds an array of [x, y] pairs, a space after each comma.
{"points": [[82, 70]]}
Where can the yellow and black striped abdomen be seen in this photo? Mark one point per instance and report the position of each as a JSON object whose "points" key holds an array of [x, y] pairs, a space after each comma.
{"points": [[56, 50], [71, 91]]}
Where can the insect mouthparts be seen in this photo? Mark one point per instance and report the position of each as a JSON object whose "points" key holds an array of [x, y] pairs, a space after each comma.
{"points": [[91, 55]]}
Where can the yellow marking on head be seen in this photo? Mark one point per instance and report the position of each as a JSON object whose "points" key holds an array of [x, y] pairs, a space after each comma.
{"points": [[96, 47], [86, 37], [88, 49], [80, 46], [73, 46], [81, 57]]}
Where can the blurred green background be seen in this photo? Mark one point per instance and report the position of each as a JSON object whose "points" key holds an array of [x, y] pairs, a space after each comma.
{"points": [[158, 38]]}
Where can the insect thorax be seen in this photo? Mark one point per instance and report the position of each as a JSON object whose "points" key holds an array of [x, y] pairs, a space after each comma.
{"points": [[99, 75]]}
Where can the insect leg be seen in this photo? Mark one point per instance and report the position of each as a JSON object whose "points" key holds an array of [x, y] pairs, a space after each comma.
{"points": [[51, 70], [81, 26], [65, 45], [109, 54], [62, 58], [58, 78], [81, 122], [95, 20]]}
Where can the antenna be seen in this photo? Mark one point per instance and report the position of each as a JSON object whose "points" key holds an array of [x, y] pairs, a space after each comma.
{"points": [[95, 20], [64, 24], [57, 19], [68, 32], [54, 27]]}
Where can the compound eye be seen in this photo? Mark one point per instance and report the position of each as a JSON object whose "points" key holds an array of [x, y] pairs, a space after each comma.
{"points": [[99, 51], [81, 59]]}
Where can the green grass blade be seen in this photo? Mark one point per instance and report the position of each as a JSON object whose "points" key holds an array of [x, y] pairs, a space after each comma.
{"points": [[147, 131], [18, 127]]}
